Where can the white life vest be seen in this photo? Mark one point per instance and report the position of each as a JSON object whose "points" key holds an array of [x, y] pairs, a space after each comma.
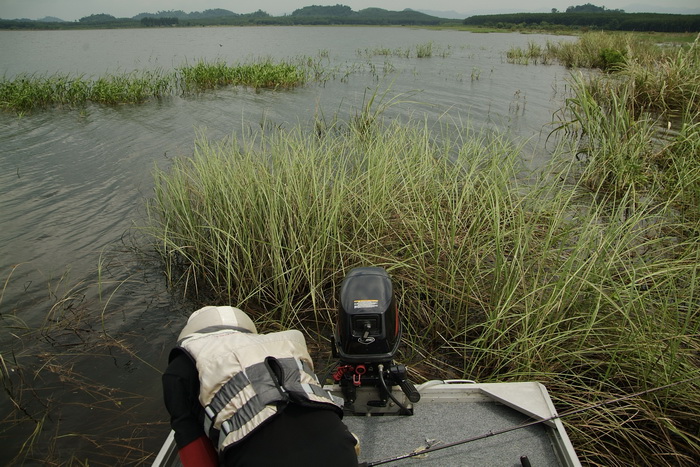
{"points": [[244, 377]]}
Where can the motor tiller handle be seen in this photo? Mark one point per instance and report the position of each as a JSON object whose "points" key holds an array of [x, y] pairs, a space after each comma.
{"points": [[410, 390]]}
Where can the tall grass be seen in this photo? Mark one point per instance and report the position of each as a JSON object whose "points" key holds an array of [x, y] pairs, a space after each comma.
{"points": [[642, 138], [608, 52], [616, 147], [424, 50], [671, 86], [663, 81], [498, 279]]}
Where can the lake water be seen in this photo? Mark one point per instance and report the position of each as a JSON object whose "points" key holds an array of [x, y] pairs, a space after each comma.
{"points": [[73, 184]]}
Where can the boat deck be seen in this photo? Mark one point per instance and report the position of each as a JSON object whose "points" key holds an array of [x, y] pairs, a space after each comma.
{"points": [[457, 412], [449, 412]]}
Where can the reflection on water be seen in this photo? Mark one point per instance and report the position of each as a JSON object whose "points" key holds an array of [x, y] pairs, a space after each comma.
{"points": [[73, 185]]}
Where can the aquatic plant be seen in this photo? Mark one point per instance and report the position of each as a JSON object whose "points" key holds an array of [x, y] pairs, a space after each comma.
{"points": [[533, 53], [639, 130], [382, 51], [584, 278], [264, 74], [592, 48], [615, 148], [424, 50], [26, 92], [670, 86], [48, 389], [602, 50]]}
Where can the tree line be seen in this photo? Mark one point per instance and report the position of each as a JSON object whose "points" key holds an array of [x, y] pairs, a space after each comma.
{"points": [[589, 8], [608, 20], [164, 21]]}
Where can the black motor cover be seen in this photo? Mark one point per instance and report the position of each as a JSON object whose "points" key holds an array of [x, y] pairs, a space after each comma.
{"points": [[368, 327]]}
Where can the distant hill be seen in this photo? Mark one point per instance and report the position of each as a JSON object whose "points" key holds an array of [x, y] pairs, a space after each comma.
{"points": [[179, 14], [451, 14], [51, 19], [324, 10], [341, 14]]}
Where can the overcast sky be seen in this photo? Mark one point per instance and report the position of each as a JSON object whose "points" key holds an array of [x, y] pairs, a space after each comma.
{"points": [[70, 10]]}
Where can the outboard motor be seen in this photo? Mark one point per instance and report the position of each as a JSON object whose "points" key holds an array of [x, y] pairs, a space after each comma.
{"points": [[367, 337]]}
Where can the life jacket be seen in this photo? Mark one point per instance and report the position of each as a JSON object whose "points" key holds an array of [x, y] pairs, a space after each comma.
{"points": [[246, 379]]}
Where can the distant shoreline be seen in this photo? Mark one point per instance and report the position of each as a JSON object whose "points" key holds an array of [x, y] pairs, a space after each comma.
{"points": [[523, 22]]}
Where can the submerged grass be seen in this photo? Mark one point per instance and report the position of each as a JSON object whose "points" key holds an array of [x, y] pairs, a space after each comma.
{"points": [[422, 50], [498, 279], [57, 407]]}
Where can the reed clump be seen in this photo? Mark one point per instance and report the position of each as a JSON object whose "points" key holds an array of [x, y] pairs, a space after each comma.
{"points": [[424, 50], [603, 50], [26, 92], [264, 74], [637, 131], [533, 53], [660, 80], [666, 86], [498, 279], [671, 86]]}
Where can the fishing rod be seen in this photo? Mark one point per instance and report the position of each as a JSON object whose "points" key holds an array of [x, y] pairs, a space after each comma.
{"points": [[519, 427]]}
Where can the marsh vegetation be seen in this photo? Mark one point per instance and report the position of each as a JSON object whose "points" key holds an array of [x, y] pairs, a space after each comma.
{"points": [[30, 92], [583, 276]]}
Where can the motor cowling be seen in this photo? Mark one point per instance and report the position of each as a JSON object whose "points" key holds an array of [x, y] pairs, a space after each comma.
{"points": [[368, 328], [367, 337]]}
